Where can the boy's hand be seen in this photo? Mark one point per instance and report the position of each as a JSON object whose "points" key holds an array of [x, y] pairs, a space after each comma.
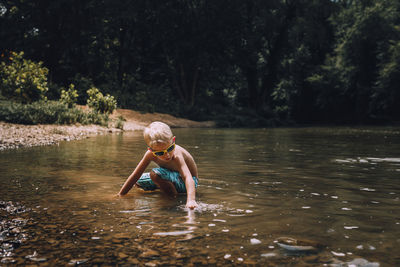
{"points": [[191, 204]]}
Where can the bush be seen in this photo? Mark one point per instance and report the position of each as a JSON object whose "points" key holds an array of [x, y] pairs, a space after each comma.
{"points": [[120, 122], [47, 112], [100, 103], [69, 97], [21, 79], [82, 84]]}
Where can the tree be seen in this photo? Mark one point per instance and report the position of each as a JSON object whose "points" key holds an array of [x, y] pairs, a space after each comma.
{"points": [[309, 40], [364, 30]]}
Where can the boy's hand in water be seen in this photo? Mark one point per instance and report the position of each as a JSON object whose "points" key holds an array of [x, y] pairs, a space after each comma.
{"points": [[191, 204]]}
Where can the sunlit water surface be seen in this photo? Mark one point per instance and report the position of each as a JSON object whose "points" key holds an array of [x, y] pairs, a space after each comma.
{"points": [[337, 188]]}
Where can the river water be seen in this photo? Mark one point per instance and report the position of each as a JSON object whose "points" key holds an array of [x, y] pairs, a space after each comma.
{"points": [[334, 190]]}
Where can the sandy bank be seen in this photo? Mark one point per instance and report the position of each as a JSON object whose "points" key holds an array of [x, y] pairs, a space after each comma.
{"points": [[137, 121], [17, 135]]}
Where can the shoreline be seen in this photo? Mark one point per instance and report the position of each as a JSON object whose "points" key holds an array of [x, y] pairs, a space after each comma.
{"points": [[14, 136]]}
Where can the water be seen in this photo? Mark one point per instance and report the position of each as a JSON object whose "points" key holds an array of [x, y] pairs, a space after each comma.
{"points": [[335, 189]]}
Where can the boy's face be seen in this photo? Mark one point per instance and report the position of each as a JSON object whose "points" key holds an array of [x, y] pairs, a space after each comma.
{"points": [[163, 150]]}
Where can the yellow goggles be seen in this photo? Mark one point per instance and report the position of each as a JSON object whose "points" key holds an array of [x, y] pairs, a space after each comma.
{"points": [[160, 153]]}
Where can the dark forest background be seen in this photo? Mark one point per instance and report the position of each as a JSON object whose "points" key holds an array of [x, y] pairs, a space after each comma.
{"points": [[240, 62]]}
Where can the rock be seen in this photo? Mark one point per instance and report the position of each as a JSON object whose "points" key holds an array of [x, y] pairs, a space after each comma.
{"points": [[37, 259], [53, 242], [122, 255], [133, 261], [77, 261], [358, 262], [295, 245], [212, 261], [149, 254], [51, 226], [362, 263], [7, 260], [123, 235], [15, 230], [255, 241]]}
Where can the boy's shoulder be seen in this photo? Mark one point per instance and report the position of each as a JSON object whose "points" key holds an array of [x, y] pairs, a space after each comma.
{"points": [[182, 150], [185, 154]]}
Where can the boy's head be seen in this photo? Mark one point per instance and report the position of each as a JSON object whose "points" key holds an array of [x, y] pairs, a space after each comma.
{"points": [[157, 133]]}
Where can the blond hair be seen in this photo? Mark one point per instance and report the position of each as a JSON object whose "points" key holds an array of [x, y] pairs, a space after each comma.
{"points": [[157, 132]]}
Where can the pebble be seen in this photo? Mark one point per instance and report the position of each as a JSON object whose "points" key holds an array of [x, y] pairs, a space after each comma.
{"points": [[141, 250], [268, 255], [122, 255], [149, 254], [122, 236], [255, 241], [12, 233], [133, 261], [8, 260], [34, 257], [77, 261]]}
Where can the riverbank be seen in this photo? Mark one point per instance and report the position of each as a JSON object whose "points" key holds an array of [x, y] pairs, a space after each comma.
{"points": [[14, 136]]}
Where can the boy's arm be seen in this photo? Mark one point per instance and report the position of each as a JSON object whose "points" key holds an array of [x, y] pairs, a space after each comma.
{"points": [[189, 183], [132, 179]]}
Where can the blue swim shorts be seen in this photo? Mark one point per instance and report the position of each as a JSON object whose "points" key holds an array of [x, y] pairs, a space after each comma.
{"points": [[147, 184]]}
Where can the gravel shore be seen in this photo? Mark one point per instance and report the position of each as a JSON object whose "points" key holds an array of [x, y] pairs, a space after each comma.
{"points": [[17, 135]]}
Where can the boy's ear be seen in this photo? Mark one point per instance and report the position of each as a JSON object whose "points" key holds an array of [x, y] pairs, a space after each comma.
{"points": [[173, 139]]}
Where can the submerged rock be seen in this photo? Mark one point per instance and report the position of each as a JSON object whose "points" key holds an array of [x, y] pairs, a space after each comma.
{"points": [[12, 233], [358, 262], [34, 257], [296, 245], [77, 261], [149, 253]]}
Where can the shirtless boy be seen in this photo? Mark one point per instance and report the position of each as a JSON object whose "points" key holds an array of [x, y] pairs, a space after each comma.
{"points": [[177, 172]]}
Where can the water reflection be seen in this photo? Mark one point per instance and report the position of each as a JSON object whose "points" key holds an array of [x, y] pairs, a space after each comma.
{"points": [[333, 189]]}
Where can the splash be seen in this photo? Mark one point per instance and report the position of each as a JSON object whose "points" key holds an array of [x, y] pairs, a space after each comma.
{"points": [[204, 207]]}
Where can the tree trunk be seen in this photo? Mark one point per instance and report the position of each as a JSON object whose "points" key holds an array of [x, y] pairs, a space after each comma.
{"points": [[270, 72], [122, 35], [185, 82], [252, 87]]}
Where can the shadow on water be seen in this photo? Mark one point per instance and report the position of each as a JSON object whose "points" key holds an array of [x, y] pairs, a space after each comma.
{"points": [[267, 197]]}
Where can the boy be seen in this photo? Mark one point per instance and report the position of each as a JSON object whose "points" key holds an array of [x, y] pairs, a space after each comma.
{"points": [[177, 172]]}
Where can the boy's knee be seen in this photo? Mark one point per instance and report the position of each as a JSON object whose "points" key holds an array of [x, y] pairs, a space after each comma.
{"points": [[154, 176]]}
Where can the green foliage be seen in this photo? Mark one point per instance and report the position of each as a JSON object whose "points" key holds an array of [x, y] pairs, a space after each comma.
{"points": [[100, 103], [281, 98], [119, 123], [47, 112], [82, 84], [143, 101], [69, 97], [353, 84], [23, 80], [137, 95], [243, 118], [386, 98], [308, 61]]}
